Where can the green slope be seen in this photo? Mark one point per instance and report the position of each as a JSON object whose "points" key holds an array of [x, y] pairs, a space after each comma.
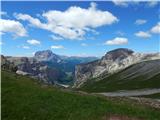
{"points": [[138, 76], [25, 99], [113, 83]]}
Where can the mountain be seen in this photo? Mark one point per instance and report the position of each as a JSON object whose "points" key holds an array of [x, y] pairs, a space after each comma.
{"points": [[36, 69], [112, 62], [65, 63], [48, 67], [56, 69], [143, 75], [47, 55]]}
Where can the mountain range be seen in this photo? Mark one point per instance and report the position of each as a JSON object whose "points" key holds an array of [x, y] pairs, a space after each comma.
{"points": [[46, 66], [88, 73]]}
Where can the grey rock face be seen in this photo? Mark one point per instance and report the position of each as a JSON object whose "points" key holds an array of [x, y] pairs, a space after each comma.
{"points": [[120, 53], [112, 62], [47, 55]]}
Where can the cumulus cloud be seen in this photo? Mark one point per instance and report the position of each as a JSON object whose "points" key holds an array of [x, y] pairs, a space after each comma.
{"points": [[33, 42], [143, 34], [69, 23], [57, 47], [140, 21], [34, 21], [156, 29], [117, 41], [12, 26], [84, 44]]}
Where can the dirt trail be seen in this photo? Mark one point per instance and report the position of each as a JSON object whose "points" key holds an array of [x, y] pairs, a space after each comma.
{"points": [[129, 93]]}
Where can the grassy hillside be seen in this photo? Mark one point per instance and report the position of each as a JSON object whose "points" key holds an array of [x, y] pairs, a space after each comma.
{"points": [[113, 83], [134, 77], [25, 99]]}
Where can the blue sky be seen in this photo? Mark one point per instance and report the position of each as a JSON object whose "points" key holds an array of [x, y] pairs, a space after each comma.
{"points": [[79, 28]]}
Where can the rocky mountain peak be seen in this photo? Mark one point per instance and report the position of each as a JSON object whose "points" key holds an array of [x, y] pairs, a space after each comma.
{"points": [[46, 55], [119, 53]]}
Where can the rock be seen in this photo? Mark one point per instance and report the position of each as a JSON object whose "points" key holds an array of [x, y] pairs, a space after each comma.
{"points": [[47, 55], [7, 65]]}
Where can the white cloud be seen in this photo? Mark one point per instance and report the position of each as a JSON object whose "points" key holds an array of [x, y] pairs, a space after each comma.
{"points": [[33, 42], [156, 29], [34, 21], [72, 17], [72, 23], [84, 44], [57, 47], [12, 26], [143, 34], [120, 3], [26, 47], [117, 41], [140, 21], [126, 3], [56, 38]]}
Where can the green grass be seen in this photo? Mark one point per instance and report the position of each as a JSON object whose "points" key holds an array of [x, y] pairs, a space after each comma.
{"points": [[114, 83], [25, 99]]}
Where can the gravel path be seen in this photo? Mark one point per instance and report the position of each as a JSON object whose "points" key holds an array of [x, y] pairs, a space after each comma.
{"points": [[129, 93]]}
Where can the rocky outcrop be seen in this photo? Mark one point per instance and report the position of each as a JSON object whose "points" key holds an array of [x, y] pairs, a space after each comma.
{"points": [[112, 62], [7, 65]]}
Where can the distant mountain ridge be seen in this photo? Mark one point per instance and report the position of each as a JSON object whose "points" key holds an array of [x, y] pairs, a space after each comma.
{"points": [[47, 55], [63, 70], [47, 66]]}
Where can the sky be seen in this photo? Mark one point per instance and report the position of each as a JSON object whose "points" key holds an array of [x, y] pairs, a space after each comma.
{"points": [[79, 28]]}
